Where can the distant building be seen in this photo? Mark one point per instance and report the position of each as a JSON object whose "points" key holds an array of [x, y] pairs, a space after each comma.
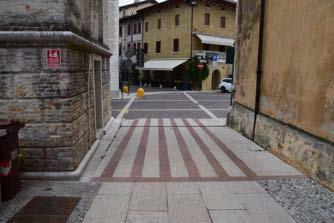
{"points": [[175, 31], [130, 35], [55, 78], [284, 97]]}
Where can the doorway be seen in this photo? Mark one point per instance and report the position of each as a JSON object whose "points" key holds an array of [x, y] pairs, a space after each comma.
{"points": [[98, 94], [215, 79]]}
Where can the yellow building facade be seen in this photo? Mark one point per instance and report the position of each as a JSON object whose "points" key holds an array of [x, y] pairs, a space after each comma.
{"points": [[175, 25]]}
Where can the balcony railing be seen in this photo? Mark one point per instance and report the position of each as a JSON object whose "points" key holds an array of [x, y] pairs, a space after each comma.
{"points": [[217, 56]]}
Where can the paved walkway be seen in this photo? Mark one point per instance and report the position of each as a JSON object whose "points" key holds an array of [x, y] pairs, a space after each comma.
{"points": [[186, 170], [151, 150], [182, 202], [174, 160]]}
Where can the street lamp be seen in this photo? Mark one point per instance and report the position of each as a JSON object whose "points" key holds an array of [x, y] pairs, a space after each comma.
{"points": [[192, 3]]}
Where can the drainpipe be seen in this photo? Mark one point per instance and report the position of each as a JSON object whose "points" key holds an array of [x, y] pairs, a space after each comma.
{"points": [[259, 70], [192, 4], [141, 72]]}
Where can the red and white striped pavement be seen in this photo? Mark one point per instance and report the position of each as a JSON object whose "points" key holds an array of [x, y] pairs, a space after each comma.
{"points": [[157, 150]]}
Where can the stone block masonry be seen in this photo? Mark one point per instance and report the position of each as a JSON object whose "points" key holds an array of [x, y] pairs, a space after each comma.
{"points": [[59, 105], [54, 104], [313, 156]]}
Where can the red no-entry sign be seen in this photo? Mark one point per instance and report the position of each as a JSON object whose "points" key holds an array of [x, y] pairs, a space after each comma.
{"points": [[53, 57]]}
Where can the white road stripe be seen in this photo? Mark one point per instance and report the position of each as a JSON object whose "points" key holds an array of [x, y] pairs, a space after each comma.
{"points": [[151, 162], [141, 122], [191, 122], [154, 122], [177, 165], [162, 100], [165, 109], [105, 161], [179, 122], [224, 160], [125, 109], [202, 107], [203, 165], [166, 122], [124, 166], [190, 98]]}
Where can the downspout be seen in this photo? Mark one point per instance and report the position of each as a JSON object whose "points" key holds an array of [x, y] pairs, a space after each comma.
{"points": [[141, 72], [192, 4], [192, 28], [259, 70]]}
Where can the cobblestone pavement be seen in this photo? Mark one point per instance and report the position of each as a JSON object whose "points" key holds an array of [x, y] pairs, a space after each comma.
{"points": [[304, 199]]}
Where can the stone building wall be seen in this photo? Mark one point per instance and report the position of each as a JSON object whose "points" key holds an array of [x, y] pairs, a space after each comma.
{"points": [[57, 105], [296, 119]]}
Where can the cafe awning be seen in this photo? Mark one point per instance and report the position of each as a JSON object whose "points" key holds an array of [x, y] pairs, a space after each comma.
{"points": [[162, 64], [215, 40]]}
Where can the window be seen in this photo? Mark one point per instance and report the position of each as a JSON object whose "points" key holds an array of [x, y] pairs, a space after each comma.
{"points": [[135, 28], [145, 48], [138, 46], [222, 22], [120, 49], [134, 47], [129, 30], [222, 48], [206, 47], [120, 31], [176, 45], [177, 20], [227, 80], [129, 46], [207, 19], [146, 26], [159, 23], [158, 47], [139, 27]]}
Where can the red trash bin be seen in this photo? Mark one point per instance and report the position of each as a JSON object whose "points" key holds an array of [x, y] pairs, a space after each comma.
{"points": [[9, 163]]}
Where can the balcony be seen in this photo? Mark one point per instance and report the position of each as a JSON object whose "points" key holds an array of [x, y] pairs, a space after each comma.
{"points": [[219, 57]]}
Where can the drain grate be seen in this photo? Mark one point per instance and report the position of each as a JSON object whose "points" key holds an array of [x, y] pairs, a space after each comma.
{"points": [[46, 209]]}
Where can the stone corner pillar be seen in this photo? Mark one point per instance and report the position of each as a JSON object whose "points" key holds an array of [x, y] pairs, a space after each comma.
{"points": [[113, 44]]}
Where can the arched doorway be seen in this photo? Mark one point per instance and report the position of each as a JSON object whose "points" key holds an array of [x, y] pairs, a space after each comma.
{"points": [[215, 79]]}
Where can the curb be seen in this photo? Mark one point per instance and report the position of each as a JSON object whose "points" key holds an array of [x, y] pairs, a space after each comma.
{"points": [[70, 175]]}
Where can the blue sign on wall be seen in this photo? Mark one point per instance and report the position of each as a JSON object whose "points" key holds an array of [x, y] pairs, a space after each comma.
{"points": [[215, 57]]}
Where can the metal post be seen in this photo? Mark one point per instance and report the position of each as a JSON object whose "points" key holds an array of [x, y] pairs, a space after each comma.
{"points": [[232, 92]]}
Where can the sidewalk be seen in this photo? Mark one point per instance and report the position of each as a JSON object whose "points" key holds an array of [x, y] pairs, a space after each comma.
{"points": [[185, 168], [188, 170]]}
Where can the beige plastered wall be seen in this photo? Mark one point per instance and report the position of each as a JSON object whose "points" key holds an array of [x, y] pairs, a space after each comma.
{"points": [[298, 70], [298, 80]]}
